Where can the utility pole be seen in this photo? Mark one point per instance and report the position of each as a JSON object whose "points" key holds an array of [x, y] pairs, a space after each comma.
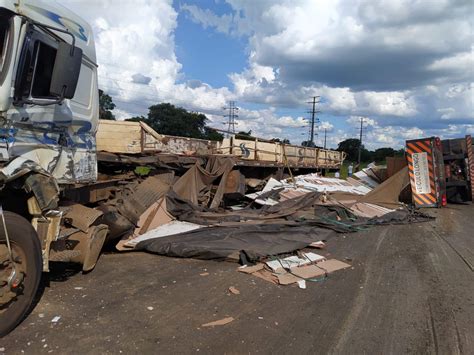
{"points": [[360, 139], [231, 115], [325, 135], [314, 120]]}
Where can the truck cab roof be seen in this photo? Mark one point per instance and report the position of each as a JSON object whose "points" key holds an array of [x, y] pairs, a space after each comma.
{"points": [[55, 15]]}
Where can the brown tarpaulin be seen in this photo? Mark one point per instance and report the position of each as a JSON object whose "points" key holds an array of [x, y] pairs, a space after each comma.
{"points": [[387, 193], [195, 185]]}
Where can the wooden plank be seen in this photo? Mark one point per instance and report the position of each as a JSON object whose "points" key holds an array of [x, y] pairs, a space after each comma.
{"points": [[117, 129], [119, 135], [118, 123]]}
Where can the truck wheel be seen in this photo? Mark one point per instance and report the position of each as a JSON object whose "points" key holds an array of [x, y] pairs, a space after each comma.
{"points": [[17, 293]]}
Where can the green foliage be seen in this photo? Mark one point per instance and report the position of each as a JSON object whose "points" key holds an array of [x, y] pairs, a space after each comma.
{"points": [[245, 135], [212, 135], [106, 105], [142, 170], [343, 171], [278, 140], [351, 147], [168, 119], [308, 144], [136, 119], [381, 153]]}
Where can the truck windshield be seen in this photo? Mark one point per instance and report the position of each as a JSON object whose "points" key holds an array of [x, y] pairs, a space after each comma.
{"points": [[4, 35]]}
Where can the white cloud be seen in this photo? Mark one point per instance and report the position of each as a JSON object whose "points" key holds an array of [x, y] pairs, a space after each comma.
{"points": [[355, 121], [207, 18], [405, 66], [387, 103], [136, 56], [325, 125]]}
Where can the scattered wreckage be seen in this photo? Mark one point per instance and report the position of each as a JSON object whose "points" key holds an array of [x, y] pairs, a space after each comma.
{"points": [[262, 227], [69, 183]]}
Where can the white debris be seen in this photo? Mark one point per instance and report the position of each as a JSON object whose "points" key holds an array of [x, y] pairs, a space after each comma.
{"points": [[165, 230], [294, 261], [55, 319], [302, 284]]}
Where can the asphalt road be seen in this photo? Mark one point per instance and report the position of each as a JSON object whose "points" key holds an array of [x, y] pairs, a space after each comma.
{"points": [[410, 290]]}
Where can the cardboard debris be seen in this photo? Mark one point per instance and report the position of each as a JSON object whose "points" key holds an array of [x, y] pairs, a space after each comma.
{"points": [[287, 278], [332, 265], [267, 276], [369, 210], [294, 261], [318, 245], [295, 274], [367, 177], [304, 184], [251, 269], [308, 272], [223, 321], [234, 290], [156, 215]]}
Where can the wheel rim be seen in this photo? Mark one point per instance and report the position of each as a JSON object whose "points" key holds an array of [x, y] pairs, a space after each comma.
{"points": [[9, 294]]}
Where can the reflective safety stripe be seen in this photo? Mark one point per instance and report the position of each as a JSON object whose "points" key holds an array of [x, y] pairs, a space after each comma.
{"points": [[422, 199]]}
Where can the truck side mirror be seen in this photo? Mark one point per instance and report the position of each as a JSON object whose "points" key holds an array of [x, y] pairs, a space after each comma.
{"points": [[67, 67]]}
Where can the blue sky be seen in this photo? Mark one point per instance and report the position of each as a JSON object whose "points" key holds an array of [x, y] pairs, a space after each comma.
{"points": [[205, 54], [209, 56], [405, 67]]}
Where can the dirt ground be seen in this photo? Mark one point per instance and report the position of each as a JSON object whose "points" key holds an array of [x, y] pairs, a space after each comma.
{"points": [[410, 290]]}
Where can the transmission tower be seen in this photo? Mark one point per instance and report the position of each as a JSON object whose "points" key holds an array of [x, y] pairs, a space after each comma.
{"points": [[361, 134], [314, 119], [231, 116]]}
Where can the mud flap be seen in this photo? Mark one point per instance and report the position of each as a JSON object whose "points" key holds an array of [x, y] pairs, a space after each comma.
{"points": [[89, 244]]}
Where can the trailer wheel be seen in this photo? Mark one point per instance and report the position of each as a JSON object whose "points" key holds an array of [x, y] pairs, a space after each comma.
{"points": [[17, 293]]}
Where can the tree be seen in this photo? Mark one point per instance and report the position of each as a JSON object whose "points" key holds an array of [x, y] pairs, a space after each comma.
{"points": [[212, 135], [106, 105], [308, 144], [400, 152], [351, 148], [278, 140], [381, 153], [245, 135], [168, 119]]}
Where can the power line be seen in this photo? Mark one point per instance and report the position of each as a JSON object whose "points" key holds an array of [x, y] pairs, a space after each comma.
{"points": [[231, 116]]}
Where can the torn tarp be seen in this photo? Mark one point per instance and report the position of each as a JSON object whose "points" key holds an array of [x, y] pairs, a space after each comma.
{"points": [[387, 193], [195, 185], [185, 211], [255, 241]]}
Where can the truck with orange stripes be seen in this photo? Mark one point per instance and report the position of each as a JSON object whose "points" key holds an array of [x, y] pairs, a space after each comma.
{"points": [[427, 172]]}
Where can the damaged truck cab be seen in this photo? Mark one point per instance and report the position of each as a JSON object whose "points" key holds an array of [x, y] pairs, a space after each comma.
{"points": [[48, 119]]}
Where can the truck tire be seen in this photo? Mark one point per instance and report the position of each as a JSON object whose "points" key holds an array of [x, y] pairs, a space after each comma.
{"points": [[26, 249]]}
